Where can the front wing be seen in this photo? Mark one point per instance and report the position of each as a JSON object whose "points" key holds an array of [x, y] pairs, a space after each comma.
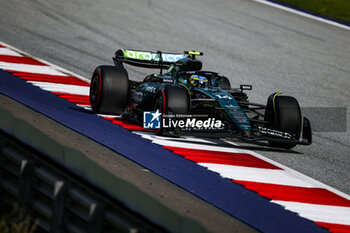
{"points": [[259, 133]]}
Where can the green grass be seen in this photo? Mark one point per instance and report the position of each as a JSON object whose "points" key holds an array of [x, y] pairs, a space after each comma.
{"points": [[16, 222], [336, 9]]}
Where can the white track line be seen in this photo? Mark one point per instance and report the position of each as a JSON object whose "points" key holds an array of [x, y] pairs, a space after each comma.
{"points": [[319, 213], [35, 69], [61, 69], [185, 143], [261, 175], [62, 88], [312, 181], [303, 14], [175, 139], [6, 51]]}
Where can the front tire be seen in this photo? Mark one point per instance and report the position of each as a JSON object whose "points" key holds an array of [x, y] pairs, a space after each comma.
{"points": [[109, 90], [171, 100], [283, 113]]}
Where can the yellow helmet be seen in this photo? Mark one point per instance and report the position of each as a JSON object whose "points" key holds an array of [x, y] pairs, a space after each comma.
{"points": [[198, 81]]}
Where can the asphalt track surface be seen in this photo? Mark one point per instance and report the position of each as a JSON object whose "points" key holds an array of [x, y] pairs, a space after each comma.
{"points": [[249, 42]]}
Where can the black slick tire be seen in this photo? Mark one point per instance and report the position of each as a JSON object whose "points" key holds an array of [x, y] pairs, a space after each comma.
{"points": [[109, 90], [170, 100], [285, 115]]}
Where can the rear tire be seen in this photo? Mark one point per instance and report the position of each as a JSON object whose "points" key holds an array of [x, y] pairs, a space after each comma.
{"points": [[285, 116], [171, 100], [109, 90]]}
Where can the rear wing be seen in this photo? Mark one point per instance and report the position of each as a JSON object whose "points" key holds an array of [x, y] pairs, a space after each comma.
{"points": [[148, 59]]}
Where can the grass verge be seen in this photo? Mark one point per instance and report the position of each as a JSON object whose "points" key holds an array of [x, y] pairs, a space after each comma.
{"points": [[335, 9], [16, 222]]}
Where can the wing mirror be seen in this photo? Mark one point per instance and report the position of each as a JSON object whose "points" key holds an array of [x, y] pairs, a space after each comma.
{"points": [[245, 87]]}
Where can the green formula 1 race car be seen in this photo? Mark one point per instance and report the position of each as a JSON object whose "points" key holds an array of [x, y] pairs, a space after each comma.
{"points": [[188, 101]]}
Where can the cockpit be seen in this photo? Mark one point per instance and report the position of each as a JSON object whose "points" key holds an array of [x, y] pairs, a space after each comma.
{"points": [[195, 80], [202, 79]]}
